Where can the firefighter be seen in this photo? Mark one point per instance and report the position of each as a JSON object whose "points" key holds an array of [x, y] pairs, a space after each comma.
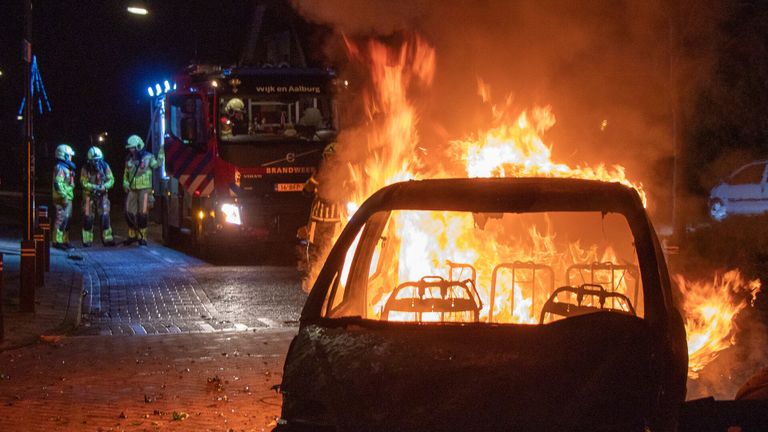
{"points": [[96, 180], [63, 192], [137, 183], [234, 123], [324, 219]]}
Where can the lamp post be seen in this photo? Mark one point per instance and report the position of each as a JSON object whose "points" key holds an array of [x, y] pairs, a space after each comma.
{"points": [[27, 282], [137, 8]]}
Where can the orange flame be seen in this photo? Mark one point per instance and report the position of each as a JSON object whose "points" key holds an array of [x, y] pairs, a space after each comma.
{"points": [[709, 309], [512, 147]]}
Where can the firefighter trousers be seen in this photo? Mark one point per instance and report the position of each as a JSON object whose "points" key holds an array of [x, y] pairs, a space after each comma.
{"points": [[137, 212], [61, 224], [96, 205]]}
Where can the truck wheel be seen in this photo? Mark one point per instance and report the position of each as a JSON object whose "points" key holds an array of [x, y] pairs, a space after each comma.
{"points": [[170, 234]]}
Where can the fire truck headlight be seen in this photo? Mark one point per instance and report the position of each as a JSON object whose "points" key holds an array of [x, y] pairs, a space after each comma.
{"points": [[231, 213]]}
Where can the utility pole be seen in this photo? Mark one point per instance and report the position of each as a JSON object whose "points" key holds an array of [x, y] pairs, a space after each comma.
{"points": [[27, 282], [678, 170]]}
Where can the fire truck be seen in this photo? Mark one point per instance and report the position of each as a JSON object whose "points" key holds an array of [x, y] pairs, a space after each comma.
{"points": [[239, 145]]}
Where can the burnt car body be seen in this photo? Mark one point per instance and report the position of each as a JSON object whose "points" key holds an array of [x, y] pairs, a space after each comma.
{"points": [[595, 367]]}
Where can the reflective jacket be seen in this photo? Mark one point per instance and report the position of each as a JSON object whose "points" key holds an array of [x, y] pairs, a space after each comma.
{"points": [[97, 179], [138, 170], [63, 181], [323, 210]]}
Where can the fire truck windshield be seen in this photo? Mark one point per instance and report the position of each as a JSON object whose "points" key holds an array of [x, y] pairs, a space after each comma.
{"points": [[247, 118]]}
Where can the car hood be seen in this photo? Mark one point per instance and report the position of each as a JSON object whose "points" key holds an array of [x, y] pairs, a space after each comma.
{"points": [[718, 191], [589, 372]]}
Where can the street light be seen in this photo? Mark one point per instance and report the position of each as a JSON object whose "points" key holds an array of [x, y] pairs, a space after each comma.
{"points": [[137, 8]]}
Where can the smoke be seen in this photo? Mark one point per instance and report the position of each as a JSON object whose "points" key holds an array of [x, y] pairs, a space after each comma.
{"points": [[612, 71]]}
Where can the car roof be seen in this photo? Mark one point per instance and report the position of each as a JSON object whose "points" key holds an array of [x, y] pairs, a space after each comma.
{"points": [[506, 195], [757, 162]]}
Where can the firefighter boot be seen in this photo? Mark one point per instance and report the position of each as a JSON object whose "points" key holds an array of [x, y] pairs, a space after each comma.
{"points": [[141, 220], [87, 238], [87, 231], [58, 239], [106, 229], [106, 237], [131, 237]]}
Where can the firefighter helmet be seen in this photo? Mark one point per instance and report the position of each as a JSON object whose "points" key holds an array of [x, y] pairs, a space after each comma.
{"points": [[134, 141], [64, 152], [94, 153], [234, 105]]}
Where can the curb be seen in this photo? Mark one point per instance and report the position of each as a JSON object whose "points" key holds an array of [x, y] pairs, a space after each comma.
{"points": [[75, 303], [68, 323]]}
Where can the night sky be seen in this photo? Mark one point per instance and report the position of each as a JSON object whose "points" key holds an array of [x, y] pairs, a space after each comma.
{"points": [[96, 61]]}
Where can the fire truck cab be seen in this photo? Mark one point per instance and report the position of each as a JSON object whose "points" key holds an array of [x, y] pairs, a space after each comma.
{"points": [[240, 143]]}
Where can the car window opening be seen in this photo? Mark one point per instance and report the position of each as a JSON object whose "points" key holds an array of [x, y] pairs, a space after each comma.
{"points": [[500, 268]]}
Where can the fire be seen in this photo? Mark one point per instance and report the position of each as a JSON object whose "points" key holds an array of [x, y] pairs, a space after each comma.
{"points": [[709, 309], [441, 243], [392, 136], [515, 149]]}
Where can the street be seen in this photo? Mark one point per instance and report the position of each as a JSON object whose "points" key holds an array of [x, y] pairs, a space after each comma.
{"points": [[157, 290], [165, 341], [229, 216]]}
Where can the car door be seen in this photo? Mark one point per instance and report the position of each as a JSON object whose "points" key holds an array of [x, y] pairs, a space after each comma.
{"points": [[746, 189]]}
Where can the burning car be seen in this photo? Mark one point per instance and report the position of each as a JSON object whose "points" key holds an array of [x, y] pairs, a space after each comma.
{"points": [[490, 304], [744, 192]]}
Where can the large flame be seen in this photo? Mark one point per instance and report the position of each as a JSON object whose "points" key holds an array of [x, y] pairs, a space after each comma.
{"points": [[511, 147], [709, 308]]}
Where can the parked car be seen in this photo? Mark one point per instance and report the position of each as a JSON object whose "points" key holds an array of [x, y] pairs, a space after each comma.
{"points": [[743, 192], [490, 304]]}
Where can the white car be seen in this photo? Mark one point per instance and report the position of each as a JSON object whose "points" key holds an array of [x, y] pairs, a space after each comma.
{"points": [[743, 192]]}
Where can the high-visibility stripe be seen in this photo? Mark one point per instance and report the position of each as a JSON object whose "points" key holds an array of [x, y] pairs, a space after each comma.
{"points": [[208, 188], [203, 164], [196, 182], [197, 177], [188, 159]]}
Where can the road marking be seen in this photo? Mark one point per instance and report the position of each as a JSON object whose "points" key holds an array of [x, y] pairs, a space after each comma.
{"points": [[138, 329], [161, 256], [173, 329], [268, 322], [206, 327]]}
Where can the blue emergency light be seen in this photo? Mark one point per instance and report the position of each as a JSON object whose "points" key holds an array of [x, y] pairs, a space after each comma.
{"points": [[160, 88]]}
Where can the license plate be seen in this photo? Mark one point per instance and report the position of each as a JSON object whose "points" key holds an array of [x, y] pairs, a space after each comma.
{"points": [[289, 187]]}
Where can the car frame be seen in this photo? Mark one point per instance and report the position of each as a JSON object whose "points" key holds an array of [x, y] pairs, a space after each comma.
{"points": [[733, 196], [351, 373]]}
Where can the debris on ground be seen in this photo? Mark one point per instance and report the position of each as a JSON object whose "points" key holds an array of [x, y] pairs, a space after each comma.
{"points": [[51, 338], [215, 384], [179, 415]]}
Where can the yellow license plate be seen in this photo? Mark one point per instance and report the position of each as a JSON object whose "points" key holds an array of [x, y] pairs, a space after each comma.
{"points": [[289, 187]]}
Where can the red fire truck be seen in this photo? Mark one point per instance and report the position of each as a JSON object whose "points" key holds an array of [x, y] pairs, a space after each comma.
{"points": [[240, 143]]}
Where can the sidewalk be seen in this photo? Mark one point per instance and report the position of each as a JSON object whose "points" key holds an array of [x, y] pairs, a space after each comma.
{"points": [[57, 303]]}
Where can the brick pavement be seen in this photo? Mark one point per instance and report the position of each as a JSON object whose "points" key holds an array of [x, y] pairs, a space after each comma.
{"points": [[155, 290], [214, 382]]}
